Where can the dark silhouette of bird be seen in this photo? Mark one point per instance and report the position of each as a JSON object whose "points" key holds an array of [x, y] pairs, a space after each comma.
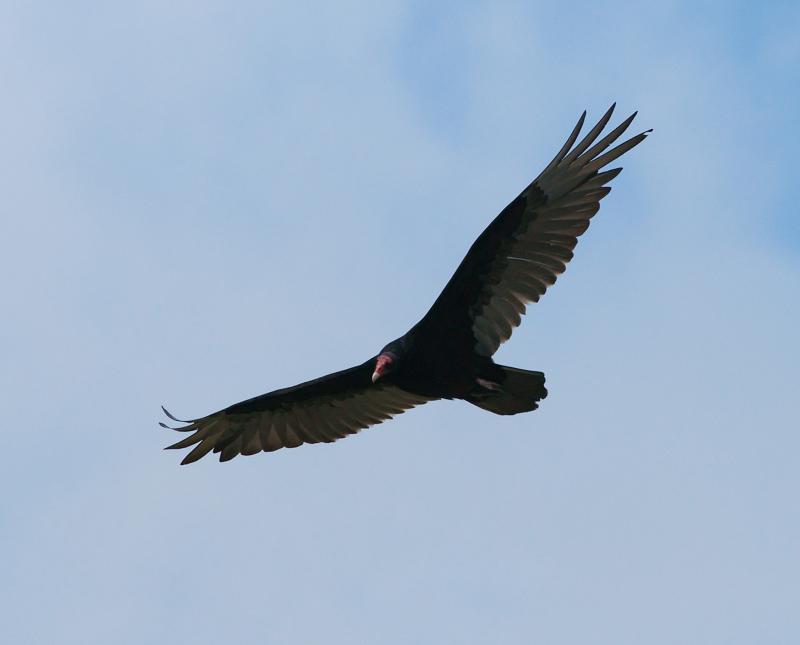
{"points": [[447, 354]]}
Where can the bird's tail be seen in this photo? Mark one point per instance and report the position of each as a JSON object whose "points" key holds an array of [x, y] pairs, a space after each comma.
{"points": [[509, 391]]}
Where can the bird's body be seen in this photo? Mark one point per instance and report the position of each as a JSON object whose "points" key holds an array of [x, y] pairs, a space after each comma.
{"points": [[447, 354]]}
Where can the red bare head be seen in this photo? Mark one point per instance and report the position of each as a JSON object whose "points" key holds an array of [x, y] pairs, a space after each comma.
{"points": [[383, 364]]}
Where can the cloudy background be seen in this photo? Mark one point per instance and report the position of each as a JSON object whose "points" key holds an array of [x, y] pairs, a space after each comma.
{"points": [[201, 202]]}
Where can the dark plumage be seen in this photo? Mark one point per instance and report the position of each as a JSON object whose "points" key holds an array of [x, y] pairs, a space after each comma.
{"points": [[447, 354]]}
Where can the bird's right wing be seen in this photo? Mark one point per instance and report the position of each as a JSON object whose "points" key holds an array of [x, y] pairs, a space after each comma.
{"points": [[322, 410], [520, 254]]}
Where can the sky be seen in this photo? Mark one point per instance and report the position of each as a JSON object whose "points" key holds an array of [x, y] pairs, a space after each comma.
{"points": [[203, 201]]}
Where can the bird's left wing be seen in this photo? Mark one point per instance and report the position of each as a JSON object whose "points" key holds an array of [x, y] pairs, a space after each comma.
{"points": [[322, 410], [520, 254]]}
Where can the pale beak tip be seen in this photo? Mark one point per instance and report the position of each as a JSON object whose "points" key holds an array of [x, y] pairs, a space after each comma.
{"points": [[375, 376]]}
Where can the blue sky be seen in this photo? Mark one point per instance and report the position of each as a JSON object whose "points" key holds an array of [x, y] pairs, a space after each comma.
{"points": [[200, 203]]}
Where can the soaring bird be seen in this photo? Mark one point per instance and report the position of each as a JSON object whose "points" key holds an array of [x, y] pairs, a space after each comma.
{"points": [[447, 354]]}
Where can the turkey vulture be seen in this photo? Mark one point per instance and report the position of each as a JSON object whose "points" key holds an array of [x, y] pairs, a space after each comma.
{"points": [[447, 354]]}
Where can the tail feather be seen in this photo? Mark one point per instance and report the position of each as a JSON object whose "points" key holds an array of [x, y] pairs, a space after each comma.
{"points": [[515, 391]]}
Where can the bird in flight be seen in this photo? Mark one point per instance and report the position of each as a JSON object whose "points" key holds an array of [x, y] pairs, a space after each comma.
{"points": [[447, 354]]}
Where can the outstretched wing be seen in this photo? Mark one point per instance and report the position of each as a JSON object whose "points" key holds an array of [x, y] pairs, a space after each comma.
{"points": [[322, 410], [528, 245]]}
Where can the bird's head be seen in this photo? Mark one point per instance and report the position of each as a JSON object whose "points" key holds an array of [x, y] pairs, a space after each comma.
{"points": [[385, 363]]}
